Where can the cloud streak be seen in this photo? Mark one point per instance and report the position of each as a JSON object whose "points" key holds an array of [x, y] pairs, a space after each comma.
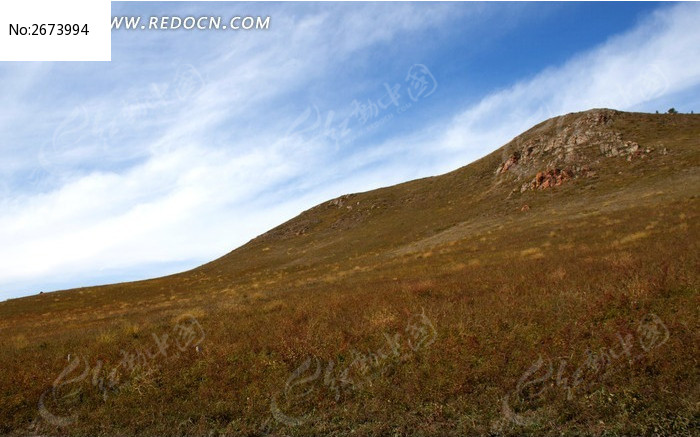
{"points": [[635, 71]]}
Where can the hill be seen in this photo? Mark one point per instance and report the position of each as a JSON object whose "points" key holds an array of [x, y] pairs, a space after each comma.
{"points": [[550, 287]]}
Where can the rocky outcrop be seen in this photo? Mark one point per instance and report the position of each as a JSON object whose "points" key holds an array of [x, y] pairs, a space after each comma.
{"points": [[555, 177], [551, 178], [511, 161], [565, 148], [341, 201]]}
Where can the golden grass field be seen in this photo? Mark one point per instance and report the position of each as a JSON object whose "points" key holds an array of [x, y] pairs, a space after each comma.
{"points": [[451, 305]]}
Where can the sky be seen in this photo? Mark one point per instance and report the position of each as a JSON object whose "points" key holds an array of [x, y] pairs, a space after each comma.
{"points": [[190, 143]]}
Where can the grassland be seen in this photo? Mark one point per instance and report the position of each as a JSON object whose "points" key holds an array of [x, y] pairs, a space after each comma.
{"points": [[442, 306]]}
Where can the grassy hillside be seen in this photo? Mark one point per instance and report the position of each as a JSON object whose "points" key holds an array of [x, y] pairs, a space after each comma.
{"points": [[550, 287]]}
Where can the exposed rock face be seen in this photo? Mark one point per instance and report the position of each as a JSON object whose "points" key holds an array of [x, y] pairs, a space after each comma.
{"points": [[614, 149], [565, 148], [509, 163], [554, 178], [341, 201]]}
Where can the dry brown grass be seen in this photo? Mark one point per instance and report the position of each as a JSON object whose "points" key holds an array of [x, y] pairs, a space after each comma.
{"points": [[588, 262]]}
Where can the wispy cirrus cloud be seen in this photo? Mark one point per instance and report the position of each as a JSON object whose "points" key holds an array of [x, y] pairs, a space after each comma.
{"points": [[644, 69], [165, 166]]}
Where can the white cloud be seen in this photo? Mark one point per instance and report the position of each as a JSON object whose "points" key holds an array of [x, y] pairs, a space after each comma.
{"points": [[633, 71], [140, 175]]}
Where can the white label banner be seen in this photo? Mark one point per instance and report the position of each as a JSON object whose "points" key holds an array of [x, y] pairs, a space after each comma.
{"points": [[55, 30]]}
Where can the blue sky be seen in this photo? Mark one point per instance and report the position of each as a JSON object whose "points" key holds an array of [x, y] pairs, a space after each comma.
{"points": [[190, 143]]}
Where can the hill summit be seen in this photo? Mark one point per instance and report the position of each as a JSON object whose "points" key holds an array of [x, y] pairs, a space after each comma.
{"points": [[599, 149], [549, 288]]}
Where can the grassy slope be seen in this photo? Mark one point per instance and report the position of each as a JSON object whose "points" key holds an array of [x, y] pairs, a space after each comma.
{"points": [[503, 287]]}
